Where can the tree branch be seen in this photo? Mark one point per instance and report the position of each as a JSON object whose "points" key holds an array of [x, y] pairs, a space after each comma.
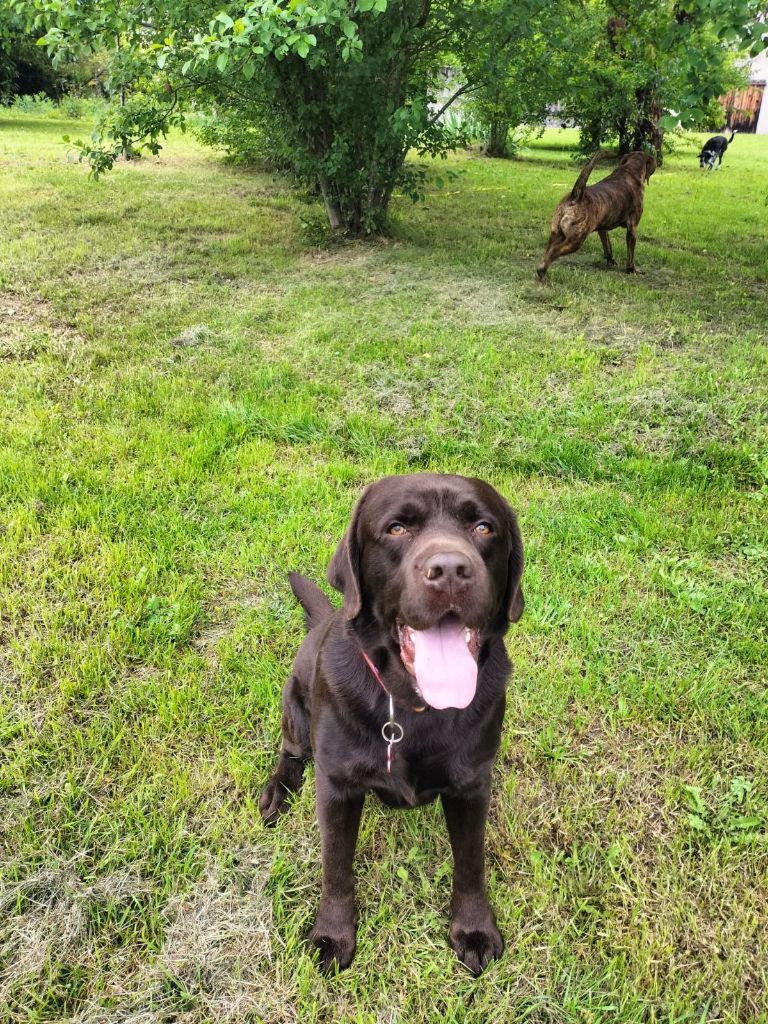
{"points": [[448, 102]]}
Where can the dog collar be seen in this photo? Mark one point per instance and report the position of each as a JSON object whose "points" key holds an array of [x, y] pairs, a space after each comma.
{"points": [[392, 732]]}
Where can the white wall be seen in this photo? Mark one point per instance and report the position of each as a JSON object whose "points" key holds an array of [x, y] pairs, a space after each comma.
{"points": [[758, 72]]}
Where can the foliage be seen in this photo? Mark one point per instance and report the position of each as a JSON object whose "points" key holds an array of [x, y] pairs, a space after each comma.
{"points": [[25, 69], [725, 816], [642, 67], [247, 134], [342, 92], [517, 83], [67, 108]]}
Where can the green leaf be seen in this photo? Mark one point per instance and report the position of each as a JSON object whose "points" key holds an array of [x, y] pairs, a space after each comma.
{"points": [[249, 70], [161, 59], [694, 799], [746, 823], [740, 787], [365, 5], [698, 823], [222, 60], [302, 48], [402, 874]]}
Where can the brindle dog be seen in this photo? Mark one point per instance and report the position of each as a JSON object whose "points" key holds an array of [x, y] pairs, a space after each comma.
{"points": [[614, 202], [430, 571]]}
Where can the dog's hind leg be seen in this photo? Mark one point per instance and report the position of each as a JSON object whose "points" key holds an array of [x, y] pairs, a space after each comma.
{"points": [[294, 754], [607, 250], [631, 240], [558, 246]]}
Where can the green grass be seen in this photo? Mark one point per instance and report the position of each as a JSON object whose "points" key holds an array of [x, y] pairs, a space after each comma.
{"points": [[193, 394]]}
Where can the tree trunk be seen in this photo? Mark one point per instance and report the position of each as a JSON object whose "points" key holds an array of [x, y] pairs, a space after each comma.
{"points": [[496, 139], [647, 131], [625, 141], [332, 207], [360, 212]]}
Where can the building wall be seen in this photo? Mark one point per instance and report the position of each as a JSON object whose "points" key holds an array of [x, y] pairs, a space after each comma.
{"points": [[759, 73]]}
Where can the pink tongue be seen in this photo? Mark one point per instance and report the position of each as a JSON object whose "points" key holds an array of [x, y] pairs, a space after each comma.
{"points": [[445, 670]]}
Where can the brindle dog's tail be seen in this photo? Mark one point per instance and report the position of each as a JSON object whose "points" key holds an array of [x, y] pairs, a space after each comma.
{"points": [[581, 182], [316, 605]]}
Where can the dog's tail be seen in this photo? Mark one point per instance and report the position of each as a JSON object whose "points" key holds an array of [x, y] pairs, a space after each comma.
{"points": [[581, 182], [316, 605]]}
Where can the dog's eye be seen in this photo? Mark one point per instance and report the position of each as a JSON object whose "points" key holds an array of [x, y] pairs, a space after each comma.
{"points": [[483, 529], [396, 530]]}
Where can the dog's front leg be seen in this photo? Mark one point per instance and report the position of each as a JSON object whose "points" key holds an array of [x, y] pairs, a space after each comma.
{"points": [[607, 250], [334, 930], [474, 935]]}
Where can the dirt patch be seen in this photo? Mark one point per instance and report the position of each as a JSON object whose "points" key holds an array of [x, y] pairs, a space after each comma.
{"points": [[45, 921], [29, 328], [218, 946], [220, 614], [216, 961], [192, 336]]}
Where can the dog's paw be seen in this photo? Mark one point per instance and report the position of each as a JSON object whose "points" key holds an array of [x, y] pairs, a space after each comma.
{"points": [[335, 952], [273, 802], [476, 947], [611, 263]]}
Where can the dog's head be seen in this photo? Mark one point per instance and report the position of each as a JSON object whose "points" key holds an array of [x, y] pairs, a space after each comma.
{"points": [[434, 563], [642, 165]]}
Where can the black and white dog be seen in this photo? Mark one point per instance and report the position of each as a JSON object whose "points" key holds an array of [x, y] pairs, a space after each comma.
{"points": [[711, 155]]}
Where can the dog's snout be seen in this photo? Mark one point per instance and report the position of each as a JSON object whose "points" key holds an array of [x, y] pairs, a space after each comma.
{"points": [[446, 569]]}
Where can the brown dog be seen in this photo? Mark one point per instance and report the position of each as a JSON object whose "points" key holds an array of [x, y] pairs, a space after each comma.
{"points": [[401, 692], [614, 202]]}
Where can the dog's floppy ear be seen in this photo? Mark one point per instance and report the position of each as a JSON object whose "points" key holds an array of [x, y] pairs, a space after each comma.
{"points": [[344, 568], [650, 165], [514, 597]]}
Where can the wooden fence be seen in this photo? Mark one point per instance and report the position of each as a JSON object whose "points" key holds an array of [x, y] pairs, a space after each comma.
{"points": [[743, 107]]}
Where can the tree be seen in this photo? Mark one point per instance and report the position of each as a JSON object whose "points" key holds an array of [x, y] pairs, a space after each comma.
{"points": [[515, 84], [350, 87], [639, 68], [24, 68]]}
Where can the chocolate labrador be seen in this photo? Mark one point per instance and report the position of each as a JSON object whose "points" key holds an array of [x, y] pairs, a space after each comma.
{"points": [[401, 692], [614, 202]]}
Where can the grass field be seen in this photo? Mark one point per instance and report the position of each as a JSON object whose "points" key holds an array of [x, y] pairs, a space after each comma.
{"points": [[193, 392]]}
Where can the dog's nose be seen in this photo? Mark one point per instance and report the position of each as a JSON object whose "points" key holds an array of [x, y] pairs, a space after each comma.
{"points": [[446, 570]]}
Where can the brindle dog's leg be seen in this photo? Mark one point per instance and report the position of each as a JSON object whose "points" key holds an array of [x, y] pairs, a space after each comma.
{"points": [[474, 935], [607, 250], [296, 751], [558, 246], [631, 240], [334, 929]]}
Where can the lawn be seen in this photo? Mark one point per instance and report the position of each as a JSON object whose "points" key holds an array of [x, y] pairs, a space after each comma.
{"points": [[195, 388]]}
